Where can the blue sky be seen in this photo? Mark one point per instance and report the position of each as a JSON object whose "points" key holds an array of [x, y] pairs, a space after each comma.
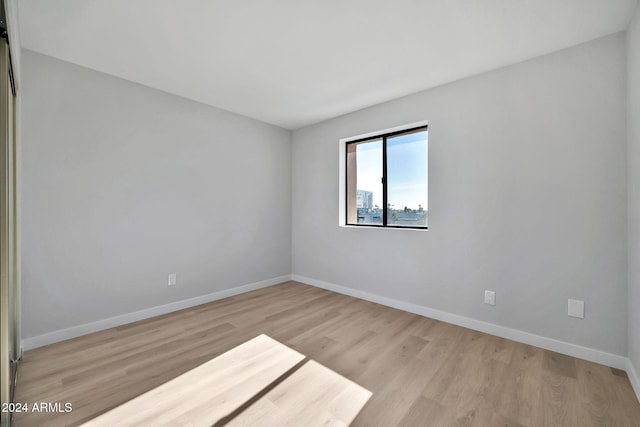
{"points": [[407, 171]]}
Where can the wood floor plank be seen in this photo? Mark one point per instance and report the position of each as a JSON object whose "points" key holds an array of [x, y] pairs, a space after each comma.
{"points": [[560, 364], [398, 386], [560, 401], [210, 392], [520, 399], [417, 368], [336, 401], [425, 412]]}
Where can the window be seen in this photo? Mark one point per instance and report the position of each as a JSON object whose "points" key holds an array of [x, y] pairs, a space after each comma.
{"points": [[386, 179]]}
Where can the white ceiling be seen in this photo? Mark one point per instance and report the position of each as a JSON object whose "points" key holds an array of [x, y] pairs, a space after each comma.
{"points": [[298, 62]]}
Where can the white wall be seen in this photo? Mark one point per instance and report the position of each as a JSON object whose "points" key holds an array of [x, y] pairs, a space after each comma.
{"points": [[527, 197], [633, 126], [123, 184]]}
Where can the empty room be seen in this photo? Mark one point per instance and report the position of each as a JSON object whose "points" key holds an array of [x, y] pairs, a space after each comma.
{"points": [[320, 213]]}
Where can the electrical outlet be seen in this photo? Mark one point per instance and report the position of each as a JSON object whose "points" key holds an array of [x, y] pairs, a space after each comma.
{"points": [[172, 279], [490, 297], [576, 308]]}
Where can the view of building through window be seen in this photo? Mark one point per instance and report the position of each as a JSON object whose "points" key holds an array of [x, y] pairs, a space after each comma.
{"points": [[393, 169]]}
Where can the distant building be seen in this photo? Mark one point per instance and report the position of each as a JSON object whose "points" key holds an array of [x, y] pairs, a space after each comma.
{"points": [[364, 199], [408, 217]]}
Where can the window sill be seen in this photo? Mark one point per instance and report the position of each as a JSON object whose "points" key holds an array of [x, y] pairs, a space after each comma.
{"points": [[373, 227]]}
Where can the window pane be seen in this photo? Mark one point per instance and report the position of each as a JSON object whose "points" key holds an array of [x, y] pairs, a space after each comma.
{"points": [[407, 172], [364, 182]]}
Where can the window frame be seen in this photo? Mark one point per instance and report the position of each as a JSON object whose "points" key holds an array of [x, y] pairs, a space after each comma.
{"points": [[378, 135]]}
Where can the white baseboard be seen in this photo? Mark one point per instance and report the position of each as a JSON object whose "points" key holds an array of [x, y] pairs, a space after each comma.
{"points": [[634, 378], [590, 354], [87, 328]]}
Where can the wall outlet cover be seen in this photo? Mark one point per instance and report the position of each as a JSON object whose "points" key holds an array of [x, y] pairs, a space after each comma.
{"points": [[490, 297], [576, 308], [172, 279]]}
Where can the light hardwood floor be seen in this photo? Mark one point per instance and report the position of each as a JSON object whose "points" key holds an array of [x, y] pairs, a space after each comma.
{"points": [[422, 372], [313, 396], [209, 393]]}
